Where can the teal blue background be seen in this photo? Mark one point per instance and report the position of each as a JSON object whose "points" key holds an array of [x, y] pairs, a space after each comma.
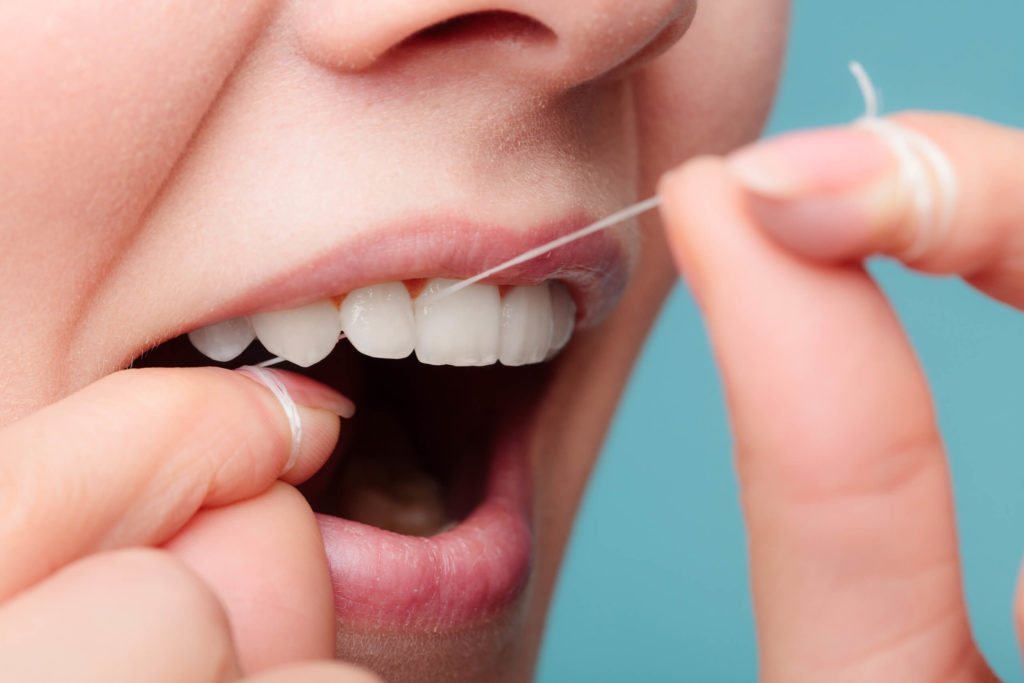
{"points": [[655, 584]]}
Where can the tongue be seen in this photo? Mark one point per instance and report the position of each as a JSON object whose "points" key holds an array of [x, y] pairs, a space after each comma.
{"points": [[382, 484]]}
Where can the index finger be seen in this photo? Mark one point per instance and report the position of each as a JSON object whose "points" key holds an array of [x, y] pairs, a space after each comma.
{"points": [[845, 193], [130, 459], [845, 490]]}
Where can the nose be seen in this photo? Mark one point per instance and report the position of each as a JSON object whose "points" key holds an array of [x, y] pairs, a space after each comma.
{"points": [[553, 42]]}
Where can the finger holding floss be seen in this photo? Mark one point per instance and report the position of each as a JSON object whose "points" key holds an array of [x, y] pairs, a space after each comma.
{"points": [[834, 194]]}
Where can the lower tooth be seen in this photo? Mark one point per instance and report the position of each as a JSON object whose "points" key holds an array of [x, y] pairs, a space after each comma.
{"points": [[406, 506], [303, 335], [223, 341], [382, 485]]}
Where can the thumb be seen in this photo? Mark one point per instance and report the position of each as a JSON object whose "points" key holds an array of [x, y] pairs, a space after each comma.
{"points": [[130, 459], [265, 561]]}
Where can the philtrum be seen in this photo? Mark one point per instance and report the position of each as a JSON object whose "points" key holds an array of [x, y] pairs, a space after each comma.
{"points": [[918, 158]]}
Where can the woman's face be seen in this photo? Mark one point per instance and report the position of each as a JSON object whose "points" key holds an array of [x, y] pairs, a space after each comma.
{"points": [[168, 165]]}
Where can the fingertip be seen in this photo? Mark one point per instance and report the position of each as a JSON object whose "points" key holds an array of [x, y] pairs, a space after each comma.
{"points": [[312, 411], [304, 390], [269, 545], [685, 203], [320, 432], [828, 194], [678, 189]]}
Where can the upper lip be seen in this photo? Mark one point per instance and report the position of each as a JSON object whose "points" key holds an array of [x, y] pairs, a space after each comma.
{"points": [[595, 268]]}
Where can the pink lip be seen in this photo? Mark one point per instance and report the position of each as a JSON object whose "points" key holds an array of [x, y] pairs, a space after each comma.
{"points": [[595, 268], [453, 579], [480, 568]]}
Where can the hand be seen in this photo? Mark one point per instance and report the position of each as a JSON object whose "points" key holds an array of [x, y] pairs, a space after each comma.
{"points": [[845, 487], [149, 533]]}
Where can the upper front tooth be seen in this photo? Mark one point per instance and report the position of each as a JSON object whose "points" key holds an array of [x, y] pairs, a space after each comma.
{"points": [[223, 341], [460, 329], [378, 320], [526, 325], [563, 317], [303, 335]]}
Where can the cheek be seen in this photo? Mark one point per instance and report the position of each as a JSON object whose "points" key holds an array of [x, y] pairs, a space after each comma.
{"points": [[713, 90], [102, 97]]}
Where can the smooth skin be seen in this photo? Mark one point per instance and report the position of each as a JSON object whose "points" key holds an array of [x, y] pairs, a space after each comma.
{"points": [[155, 159], [845, 485], [131, 524]]}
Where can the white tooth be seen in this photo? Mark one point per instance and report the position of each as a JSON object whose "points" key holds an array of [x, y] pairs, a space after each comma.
{"points": [[223, 341], [563, 317], [301, 335], [378, 320], [526, 325], [461, 329]]}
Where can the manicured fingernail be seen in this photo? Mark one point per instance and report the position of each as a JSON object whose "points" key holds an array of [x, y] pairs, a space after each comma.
{"points": [[823, 192], [306, 392], [292, 391], [814, 162]]}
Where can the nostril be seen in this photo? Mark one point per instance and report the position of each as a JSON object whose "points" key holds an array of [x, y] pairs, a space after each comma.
{"points": [[495, 25]]}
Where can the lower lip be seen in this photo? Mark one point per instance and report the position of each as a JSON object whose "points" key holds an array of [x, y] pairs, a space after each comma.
{"points": [[466, 575]]}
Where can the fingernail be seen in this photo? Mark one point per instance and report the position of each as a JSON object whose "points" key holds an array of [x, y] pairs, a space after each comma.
{"points": [[305, 391], [812, 162], [291, 391], [820, 192]]}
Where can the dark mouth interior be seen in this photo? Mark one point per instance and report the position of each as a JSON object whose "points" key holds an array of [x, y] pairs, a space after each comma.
{"points": [[415, 457]]}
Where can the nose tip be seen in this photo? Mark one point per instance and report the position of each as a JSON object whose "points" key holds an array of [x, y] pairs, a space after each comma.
{"points": [[545, 40]]}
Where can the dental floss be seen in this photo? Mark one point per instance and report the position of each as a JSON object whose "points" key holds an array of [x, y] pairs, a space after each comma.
{"points": [[606, 222], [867, 90], [291, 411], [924, 170], [918, 156], [619, 216], [277, 359]]}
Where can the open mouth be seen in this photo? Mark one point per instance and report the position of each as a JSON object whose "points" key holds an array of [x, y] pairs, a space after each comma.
{"points": [[424, 506]]}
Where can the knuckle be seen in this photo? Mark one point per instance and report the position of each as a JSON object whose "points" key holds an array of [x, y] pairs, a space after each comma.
{"points": [[171, 393], [813, 475], [212, 402]]}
